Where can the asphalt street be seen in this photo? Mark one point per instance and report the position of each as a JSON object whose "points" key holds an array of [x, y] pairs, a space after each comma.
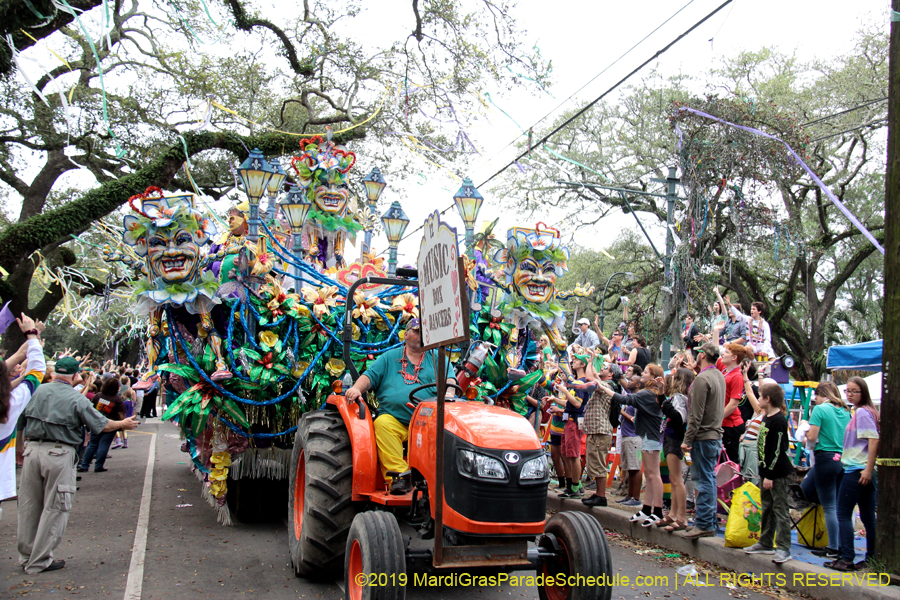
{"points": [[189, 555]]}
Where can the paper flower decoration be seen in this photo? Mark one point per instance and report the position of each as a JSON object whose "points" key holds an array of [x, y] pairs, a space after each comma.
{"points": [[268, 339], [321, 299], [335, 366], [365, 307], [263, 260], [407, 304]]}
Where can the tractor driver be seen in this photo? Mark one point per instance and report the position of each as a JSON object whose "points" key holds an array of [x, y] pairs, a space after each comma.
{"points": [[391, 377]]}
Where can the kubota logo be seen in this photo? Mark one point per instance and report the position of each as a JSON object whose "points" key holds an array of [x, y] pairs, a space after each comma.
{"points": [[511, 457]]}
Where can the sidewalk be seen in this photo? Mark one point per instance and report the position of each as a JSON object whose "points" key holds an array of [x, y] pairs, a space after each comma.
{"points": [[811, 579]]}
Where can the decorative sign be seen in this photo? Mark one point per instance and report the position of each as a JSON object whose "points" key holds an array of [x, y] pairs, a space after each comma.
{"points": [[442, 305]]}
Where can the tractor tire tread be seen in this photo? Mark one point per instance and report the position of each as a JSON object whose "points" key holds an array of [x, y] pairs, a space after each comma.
{"points": [[328, 509], [588, 552], [382, 546]]}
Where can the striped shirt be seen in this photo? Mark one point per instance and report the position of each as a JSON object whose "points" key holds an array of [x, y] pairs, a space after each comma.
{"points": [[752, 431]]}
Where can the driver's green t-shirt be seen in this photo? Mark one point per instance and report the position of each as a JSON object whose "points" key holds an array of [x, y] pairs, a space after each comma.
{"points": [[390, 387]]}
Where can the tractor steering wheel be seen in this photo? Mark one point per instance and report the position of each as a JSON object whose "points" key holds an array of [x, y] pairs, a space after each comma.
{"points": [[415, 401]]}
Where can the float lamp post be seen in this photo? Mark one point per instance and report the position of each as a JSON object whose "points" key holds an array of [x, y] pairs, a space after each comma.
{"points": [[395, 222], [274, 186], [295, 208], [468, 202], [255, 172], [375, 184]]}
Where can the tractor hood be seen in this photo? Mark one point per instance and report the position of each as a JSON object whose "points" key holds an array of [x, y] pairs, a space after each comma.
{"points": [[490, 426]]}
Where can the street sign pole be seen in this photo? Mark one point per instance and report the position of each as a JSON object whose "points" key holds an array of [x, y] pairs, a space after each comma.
{"points": [[439, 462], [444, 320]]}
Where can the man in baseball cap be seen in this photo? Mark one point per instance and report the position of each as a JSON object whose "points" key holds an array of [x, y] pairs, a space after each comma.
{"points": [[587, 339], [68, 365], [53, 423]]}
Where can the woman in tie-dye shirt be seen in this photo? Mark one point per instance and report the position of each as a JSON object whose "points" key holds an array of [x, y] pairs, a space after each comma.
{"points": [[858, 486]]}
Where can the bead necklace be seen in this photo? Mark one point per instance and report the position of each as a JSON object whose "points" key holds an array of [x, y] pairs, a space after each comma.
{"points": [[410, 378]]}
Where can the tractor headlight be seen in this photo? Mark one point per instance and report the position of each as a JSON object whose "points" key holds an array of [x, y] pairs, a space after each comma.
{"points": [[479, 466], [534, 470]]}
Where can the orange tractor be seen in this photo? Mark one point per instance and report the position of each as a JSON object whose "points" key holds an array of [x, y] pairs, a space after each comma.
{"points": [[478, 502]]}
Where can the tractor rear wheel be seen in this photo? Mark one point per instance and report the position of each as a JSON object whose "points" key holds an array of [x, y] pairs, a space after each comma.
{"points": [[320, 507], [375, 563], [583, 550]]}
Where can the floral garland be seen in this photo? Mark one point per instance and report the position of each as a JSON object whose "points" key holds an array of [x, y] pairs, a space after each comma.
{"points": [[546, 311], [177, 293], [330, 223]]}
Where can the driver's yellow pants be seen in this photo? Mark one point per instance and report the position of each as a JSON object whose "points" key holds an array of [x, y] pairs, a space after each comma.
{"points": [[389, 437]]}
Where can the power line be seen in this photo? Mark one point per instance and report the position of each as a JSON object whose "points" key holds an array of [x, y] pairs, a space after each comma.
{"points": [[607, 92], [596, 100], [611, 65], [843, 112], [831, 135]]}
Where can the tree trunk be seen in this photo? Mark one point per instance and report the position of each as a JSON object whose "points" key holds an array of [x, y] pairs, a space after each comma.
{"points": [[888, 542]]}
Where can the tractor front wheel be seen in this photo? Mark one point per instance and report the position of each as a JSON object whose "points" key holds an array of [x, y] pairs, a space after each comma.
{"points": [[581, 550], [320, 507], [375, 558]]}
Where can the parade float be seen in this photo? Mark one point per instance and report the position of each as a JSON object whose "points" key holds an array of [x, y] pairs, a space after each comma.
{"points": [[246, 336]]}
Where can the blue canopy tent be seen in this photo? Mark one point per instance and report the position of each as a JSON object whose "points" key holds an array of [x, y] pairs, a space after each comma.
{"points": [[860, 357]]}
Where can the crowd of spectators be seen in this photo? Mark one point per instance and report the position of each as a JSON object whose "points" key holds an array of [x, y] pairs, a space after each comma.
{"points": [[713, 406]]}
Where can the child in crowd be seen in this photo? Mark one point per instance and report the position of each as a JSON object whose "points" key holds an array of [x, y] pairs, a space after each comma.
{"points": [[121, 440], [774, 468], [748, 453]]}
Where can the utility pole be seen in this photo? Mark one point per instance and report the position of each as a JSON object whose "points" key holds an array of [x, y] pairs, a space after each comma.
{"points": [[669, 306], [888, 542]]}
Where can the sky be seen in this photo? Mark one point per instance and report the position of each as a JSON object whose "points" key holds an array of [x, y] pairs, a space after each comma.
{"points": [[585, 39]]}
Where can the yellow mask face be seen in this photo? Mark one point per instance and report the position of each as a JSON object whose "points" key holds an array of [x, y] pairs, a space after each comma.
{"points": [[332, 199], [235, 222], [534, 281], [173, 258]]}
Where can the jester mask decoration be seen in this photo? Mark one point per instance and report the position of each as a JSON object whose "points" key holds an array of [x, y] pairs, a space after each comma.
{"points": [[168, 232], [532, 261], [322, 173]]}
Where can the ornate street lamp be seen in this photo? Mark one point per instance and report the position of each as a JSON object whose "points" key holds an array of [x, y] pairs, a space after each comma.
{"points": [[255, 172], [295, 208], [375, 184], [395, 222], [274, 187], [603, 297], [468, 202]]}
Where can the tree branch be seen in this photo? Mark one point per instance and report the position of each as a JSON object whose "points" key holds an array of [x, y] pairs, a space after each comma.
{"points": [[243, 22], [20, 240]]}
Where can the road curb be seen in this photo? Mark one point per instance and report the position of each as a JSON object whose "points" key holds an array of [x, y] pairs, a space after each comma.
{"points": [[828, 584]]}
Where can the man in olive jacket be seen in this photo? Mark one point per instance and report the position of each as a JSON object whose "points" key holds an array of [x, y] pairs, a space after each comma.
{"points": [[53, 421], [704, 437]]}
